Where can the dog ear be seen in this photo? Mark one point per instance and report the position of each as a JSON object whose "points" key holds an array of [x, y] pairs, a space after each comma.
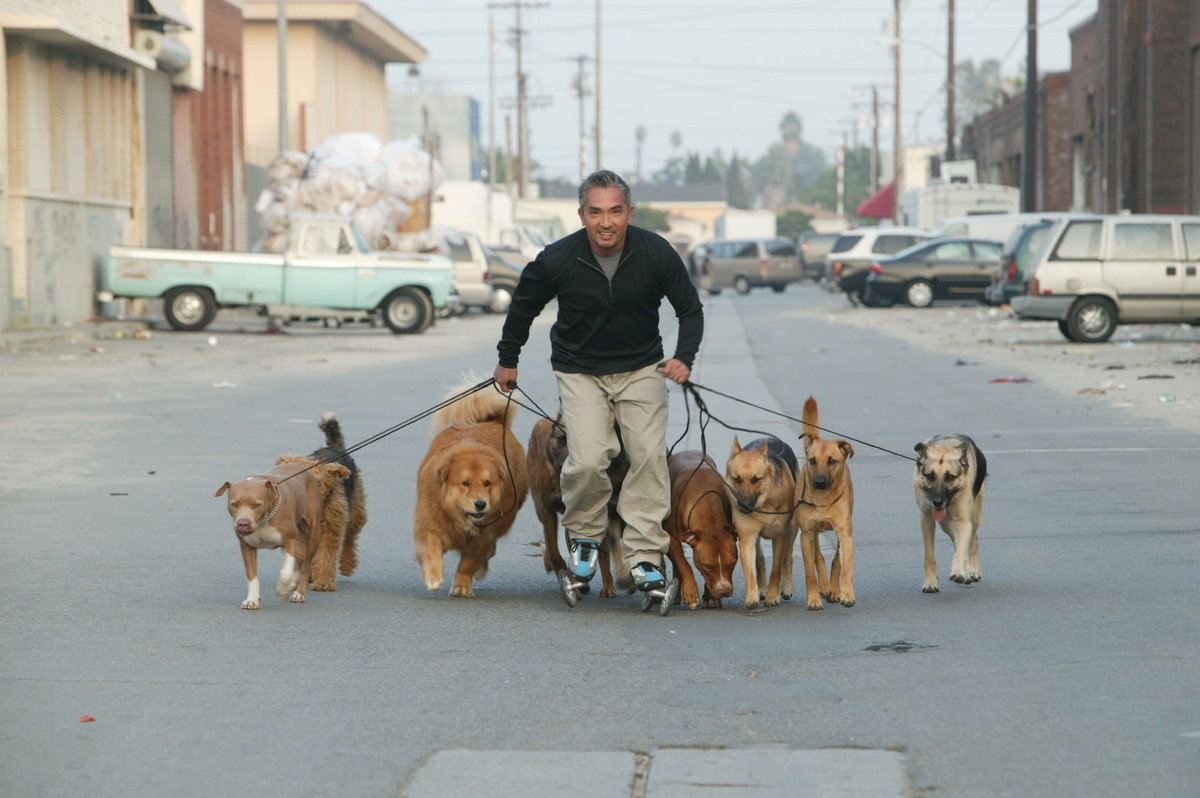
{"points": [[443, 472], [737, 447], [806, 439], [690, 537], [222, 489], [846, 448], [920, 449]]}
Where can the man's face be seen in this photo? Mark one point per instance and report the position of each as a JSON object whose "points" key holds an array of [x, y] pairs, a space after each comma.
{"points": [[606, 216]]}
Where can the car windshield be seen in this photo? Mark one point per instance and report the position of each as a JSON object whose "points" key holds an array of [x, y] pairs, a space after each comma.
{"points": [[845, 243]]}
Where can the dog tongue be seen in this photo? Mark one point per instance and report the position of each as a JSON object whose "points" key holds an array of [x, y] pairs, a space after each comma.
{"points": [[938, 513]]}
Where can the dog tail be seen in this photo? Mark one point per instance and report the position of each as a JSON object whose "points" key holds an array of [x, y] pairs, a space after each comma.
{"points": [[333, 431], [484, 405], [811, 420]]}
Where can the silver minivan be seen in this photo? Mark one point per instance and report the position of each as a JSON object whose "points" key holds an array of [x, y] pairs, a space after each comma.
{"points": [[1095, 272], [745, 263]]}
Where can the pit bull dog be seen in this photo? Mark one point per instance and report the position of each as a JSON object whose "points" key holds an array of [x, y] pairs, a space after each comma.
{"points": [[701, 517]]}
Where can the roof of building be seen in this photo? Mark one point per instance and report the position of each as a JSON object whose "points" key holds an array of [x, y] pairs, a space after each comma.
{"points": [[365, 28]]}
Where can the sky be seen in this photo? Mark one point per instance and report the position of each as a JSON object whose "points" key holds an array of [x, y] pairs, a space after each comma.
{"points": [[720, 74]]}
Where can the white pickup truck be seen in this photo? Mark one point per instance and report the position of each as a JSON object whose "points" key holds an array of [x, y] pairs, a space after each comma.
{"points": [[327, 271]]}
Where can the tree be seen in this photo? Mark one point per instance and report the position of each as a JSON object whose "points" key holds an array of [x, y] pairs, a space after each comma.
{"points": [[735, 186], [977, 89], [791, 223], [651, 219]]}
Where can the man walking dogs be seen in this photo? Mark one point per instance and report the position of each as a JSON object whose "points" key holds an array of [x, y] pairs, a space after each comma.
{"points": [[607, 354]]}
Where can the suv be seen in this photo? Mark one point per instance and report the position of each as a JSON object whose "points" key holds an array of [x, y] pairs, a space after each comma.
{"points": [[1096, 272], [745, 263], [813, 248], [1019, 250], [851, 256]]}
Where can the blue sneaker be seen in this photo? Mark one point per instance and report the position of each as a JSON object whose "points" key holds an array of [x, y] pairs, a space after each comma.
{"points": [[582, 556], [647, 576]]}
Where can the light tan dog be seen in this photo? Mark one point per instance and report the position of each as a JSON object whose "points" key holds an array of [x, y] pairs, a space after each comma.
{"points": [[824, 502], [470, 486], [291, 507], [948, 483], [544, 460], [761, 479]]}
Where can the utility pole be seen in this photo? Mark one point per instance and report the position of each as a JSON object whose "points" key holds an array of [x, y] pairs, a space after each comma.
{"points": [[597, 84], [518, 33], [874, 140], [897, 156], [950, 124], [281, 30], [491, 115], [1029, 162], [579, 89]]}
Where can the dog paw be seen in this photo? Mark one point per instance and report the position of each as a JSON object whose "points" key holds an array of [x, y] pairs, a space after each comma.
{"points": [[772, 601], [690, 597], [847, 602], [249, 605], [462, 592], [930, 587], [960, 579], [816, 604], [325, 587], [712, 604], [434, 584], [297, 598], [608, 592]]}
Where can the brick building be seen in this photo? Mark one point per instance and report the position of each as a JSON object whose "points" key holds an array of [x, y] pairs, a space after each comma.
{"points": [[1121, 130]]}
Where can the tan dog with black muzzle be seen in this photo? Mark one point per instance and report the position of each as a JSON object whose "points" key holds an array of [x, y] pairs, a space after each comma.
{"points": [[948, 483]]}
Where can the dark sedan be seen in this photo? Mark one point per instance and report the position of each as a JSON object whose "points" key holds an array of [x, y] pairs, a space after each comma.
{"points": [[942, 268]]}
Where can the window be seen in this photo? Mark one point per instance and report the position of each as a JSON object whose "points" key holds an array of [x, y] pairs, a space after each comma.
{"points": [[460, 250], [1143, 242], [986, 251], [746, 249], [845, 243], [781, 249], [1191, 242], [1080, 241], [325, 239], [951, 250], [891, 244]]}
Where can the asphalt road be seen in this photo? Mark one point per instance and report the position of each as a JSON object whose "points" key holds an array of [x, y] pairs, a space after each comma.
{"points": [[1068, 671]]}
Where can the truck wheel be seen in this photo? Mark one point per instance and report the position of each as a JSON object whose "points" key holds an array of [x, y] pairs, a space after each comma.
{"points": [[189, 309], [919, 294], [405, 311], [1092, 320], [501, 299], [741, 284]]}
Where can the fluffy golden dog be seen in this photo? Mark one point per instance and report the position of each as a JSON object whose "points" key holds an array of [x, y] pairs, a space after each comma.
{"points": [[948, 483], [761, 479], [824, 502], [470, 486]]}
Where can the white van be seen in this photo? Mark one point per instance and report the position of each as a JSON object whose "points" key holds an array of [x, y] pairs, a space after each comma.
{"points": [[992, 226], [1094, 273]]}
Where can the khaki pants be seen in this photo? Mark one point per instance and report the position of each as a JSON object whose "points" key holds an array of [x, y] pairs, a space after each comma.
{"points": [[637, 401]]}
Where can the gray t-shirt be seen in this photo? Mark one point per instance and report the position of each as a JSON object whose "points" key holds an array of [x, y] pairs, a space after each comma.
{"points": [[609, 264]]}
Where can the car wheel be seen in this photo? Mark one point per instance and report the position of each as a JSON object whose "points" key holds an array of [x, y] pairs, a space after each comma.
{"points": [[501, 299], [404, 311], [1065, 329], [874, 300], [919, 294], [741, 284], [189, 309], [778, 287], [1092, 320]]}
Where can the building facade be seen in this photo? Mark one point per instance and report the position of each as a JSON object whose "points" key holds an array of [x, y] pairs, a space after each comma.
{"points": [[452, 121]]}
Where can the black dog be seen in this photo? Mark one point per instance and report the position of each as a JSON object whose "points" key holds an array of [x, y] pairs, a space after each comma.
{"points": [[334, 451]]}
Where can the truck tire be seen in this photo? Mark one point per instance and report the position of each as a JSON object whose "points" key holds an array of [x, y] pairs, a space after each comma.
{"points": [[405, 311], [189, 309], [741, 284], [1092, 320]]}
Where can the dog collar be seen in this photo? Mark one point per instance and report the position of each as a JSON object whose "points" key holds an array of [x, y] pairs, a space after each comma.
{"points": [[271, 514]]}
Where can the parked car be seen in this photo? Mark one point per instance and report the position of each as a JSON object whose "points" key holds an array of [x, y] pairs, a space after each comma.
{"points": [[1019, 250], [1094, 273], [471, 276], [941, 268], [746, 263], [504, 276], [855, 250], [813, 247], [328, 271]]}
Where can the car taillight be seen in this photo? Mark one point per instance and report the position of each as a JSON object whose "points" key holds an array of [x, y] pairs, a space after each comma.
{"points": [[1034, 288], [804, 246], [837, 268], [1012, 270], [762, 267], [876, 267]]}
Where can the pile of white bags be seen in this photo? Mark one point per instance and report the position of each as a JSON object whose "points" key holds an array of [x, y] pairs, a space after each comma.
{"points": [[349, 174]]}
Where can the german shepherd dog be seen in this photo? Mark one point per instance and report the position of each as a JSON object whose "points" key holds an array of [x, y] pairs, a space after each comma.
{"points": [[761, 480], [824, 502], [544, 462], [948, 484]]}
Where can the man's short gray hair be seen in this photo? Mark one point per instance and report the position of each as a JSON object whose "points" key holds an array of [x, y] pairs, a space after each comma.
{"points": [[604, 178]]}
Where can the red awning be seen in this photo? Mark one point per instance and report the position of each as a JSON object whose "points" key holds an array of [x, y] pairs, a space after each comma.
{"points": [[880, 205]]}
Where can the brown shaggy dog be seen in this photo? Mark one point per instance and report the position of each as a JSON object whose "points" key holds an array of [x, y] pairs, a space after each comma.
{"points": [[545, 457], [470, 486], [327, 559], [293, 506], [825, 502]]}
